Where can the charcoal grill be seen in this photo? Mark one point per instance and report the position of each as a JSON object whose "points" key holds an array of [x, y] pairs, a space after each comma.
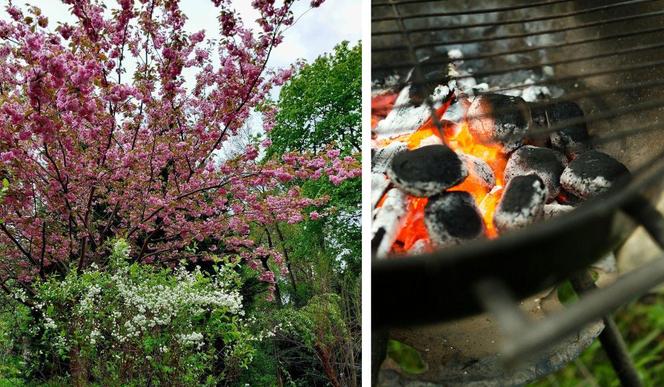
{"points": [[607, 56]]}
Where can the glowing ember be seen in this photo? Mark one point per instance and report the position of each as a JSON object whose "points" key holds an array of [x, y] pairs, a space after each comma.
{"points": [[459, 138], [380, 106]]}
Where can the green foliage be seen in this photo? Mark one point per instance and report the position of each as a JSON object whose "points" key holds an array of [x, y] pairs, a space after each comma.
{"points": [[317, 332], [407, 357], [322, 105], [132, 324], [642, 326]]}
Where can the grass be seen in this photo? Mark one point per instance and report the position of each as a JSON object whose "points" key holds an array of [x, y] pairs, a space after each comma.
{"points": [[642, 326]]}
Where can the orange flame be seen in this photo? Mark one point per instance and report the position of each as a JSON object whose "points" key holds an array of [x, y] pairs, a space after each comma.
{"points": [[459, 138]]}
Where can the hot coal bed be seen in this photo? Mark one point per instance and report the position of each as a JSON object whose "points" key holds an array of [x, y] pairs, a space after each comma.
{"points": [[486, 164]]}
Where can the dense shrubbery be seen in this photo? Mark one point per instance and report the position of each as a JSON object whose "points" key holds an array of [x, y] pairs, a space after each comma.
{"points": [[131, 324]]}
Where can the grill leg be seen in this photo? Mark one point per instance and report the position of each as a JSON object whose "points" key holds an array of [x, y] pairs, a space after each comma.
{"points": [[610, 338]]}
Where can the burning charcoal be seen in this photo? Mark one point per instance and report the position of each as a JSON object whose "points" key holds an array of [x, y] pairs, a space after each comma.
{"points": [[479, 171], [381, 160], [521, 204], [452, 218], [568, 198], [386, 222], [427, 171], [379, 183], [497, 118], [554, 209], [434, 71], [403, 118], [572, 139], [592, 173], [546, 163]]}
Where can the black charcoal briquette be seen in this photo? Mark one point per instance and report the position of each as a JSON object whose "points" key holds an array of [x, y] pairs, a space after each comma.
{"points": [[592, 173], [427, 171], [522, 203], [546, 163], [501, 119], [572, 138], [452, 218]]}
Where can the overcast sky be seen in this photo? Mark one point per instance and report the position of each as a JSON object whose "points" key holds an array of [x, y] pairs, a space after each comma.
{"points": [[316, 32]]}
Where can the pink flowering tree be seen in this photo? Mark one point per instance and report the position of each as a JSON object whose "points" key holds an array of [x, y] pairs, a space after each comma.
{"points": [[102, 137]]}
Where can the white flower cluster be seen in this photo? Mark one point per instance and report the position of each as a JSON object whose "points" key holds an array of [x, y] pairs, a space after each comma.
{"points": [[191, 339], [158, 305], [88, 300]]}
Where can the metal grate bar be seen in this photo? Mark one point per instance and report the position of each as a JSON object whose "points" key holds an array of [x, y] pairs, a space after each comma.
{"points": [[525, 50], [417, 71], [627, 51], [561, 15], [467, 12], [515, 36], [582, 94]]}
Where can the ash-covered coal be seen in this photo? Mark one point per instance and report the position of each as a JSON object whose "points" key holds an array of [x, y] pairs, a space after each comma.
{"points": [[379, 184], [452, 218], [381, 160], [427, 171], [498, 118], [479, 171], [546, 163], [592, 173], [522, 203], [387, 220], [573, 138]]}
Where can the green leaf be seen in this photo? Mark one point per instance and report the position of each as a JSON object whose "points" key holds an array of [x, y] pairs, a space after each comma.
{"points": [[407, 357]]}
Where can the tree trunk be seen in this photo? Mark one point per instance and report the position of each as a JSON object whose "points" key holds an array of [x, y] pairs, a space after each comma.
{"points": [[326, 362], [77, 368]]}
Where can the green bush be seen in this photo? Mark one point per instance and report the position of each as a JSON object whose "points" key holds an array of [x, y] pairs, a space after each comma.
{"points": [[131, 324]]}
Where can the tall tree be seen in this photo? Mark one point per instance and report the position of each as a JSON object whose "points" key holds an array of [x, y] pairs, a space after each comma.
{"points": [[319, 105], [91, 152], [322, 104]]}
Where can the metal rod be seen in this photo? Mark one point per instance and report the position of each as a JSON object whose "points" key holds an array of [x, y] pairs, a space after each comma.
{"points": [[512, 21], [418, 76], [524, 50], [532, 4], [593, 306], [524, 35], [581, 94], [571, 78], [610, 338], [643, 212]]}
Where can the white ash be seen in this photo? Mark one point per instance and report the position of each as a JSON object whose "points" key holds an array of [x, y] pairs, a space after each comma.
{"points": [[379, 183], [387, 221], [553, 209], [546, 163], [383, 157], [405, 118], [452, 218], [479, 170], [522, 203], [455, 112], [455, 53], [592, 173], [419, 247]]}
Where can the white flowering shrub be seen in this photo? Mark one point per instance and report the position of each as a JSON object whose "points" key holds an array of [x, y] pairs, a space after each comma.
{"points": [[134, 324]]}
